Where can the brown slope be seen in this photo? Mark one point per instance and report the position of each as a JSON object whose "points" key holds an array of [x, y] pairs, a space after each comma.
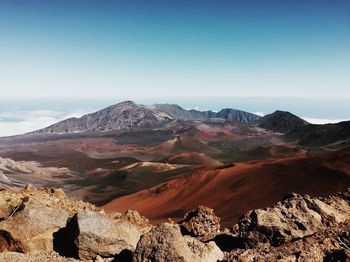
{"points": [[235, 190], [193, 158]]}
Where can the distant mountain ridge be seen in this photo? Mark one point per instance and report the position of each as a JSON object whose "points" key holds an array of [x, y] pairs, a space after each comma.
{"points": [[304, 133], [229, 114], [128, 115]]}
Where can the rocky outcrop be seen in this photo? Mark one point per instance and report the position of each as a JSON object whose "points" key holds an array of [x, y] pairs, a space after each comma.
{"points": [[45, 220], [294, 218], [44, 225], [331, 244], [201, 223], [300, 228], [165, 243]]}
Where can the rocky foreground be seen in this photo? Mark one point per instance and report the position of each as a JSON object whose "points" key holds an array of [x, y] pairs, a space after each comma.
{"points": [[44, 225]]}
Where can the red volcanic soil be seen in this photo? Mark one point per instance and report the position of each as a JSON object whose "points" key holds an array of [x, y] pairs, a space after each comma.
{"points": [[245, 186]]}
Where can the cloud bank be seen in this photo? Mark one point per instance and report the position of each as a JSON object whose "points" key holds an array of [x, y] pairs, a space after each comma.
{"points": [[322, 121], [20, 122]]}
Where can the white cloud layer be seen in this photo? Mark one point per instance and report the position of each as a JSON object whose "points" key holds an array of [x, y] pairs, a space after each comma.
{"points": [[20, 122], [259, 113], [322, 121]]}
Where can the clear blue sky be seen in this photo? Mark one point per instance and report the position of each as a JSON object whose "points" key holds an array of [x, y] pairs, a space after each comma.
{"points": [[174, 48]]}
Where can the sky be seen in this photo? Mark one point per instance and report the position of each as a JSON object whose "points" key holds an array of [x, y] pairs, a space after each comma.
{"points": [[67, 58], [227, 48]]}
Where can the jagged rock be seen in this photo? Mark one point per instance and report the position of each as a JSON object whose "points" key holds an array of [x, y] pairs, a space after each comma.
{"points": [[30, 228], [201, 223], [134, 218], [205, 251], [294, 218], [100, 235], [333, 210], [58, 193], [48, 197], [165, 243], [324, 246], [286, 221]]}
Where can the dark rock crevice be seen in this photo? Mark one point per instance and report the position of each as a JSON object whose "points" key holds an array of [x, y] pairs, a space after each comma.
{"points": [[64, 239]]}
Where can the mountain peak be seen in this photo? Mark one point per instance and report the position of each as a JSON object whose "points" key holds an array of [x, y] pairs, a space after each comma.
{"points": [[128, 114], [282, 121], [125, 103]]}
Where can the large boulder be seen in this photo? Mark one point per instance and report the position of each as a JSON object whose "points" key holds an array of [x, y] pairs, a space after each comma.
{"points": [[98, 235], [30, 228], [201, 223], [165, 243]]}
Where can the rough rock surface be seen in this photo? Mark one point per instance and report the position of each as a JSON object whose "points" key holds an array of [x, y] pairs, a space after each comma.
{"points": [[53, 198], [201, 223], [294, 218], [165, 243], [40, 220], [30, 227], [134, 218], [99, 235], [33, 257], [296, 229], [328, 245]]}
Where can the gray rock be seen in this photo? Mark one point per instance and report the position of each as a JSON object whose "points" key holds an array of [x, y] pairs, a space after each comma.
{"points": [[100, 236]]}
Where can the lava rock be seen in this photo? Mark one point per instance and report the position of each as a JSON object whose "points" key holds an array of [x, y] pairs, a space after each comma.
{"points": [[201, 223]]}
